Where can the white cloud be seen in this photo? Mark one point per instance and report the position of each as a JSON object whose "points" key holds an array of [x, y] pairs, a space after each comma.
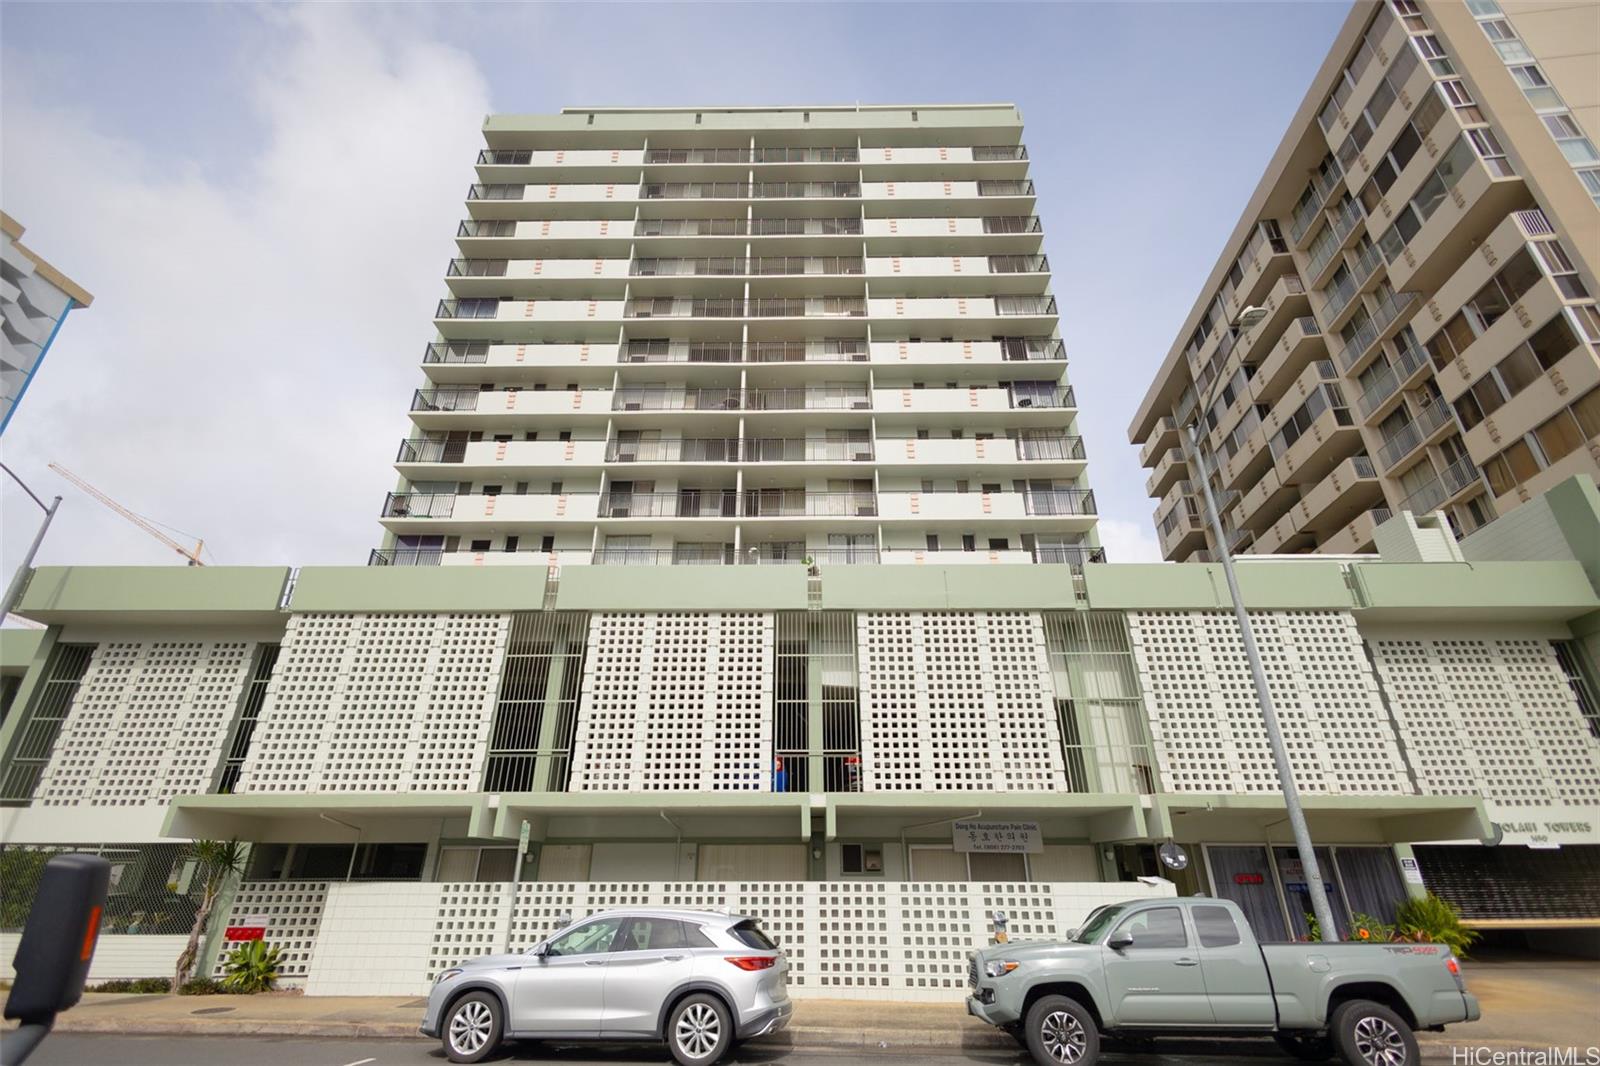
{"points": [[244, 370], [1129, 542]]}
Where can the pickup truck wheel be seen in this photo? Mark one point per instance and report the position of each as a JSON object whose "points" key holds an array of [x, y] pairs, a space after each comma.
{"points": [[1370, 1034], [1307, 1047], [1062, 1033]]}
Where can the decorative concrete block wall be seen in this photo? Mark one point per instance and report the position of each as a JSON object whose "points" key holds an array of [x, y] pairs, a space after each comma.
{"points": [[1206, 724]]}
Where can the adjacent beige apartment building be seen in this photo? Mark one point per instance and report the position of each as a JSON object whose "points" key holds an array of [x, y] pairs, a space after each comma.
{"points": [[1404, 317]]}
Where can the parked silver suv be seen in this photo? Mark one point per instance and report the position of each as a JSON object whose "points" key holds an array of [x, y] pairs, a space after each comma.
{"points": [[702, 981]]}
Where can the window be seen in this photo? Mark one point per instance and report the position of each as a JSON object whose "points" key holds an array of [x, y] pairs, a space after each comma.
{"points": [[1096, 923], [1561, 270], [1215, 927], [591, 938], [651, 934], [750, 935], [1158, 927], [1559, 436], [1587, 411], [1552, 342]]}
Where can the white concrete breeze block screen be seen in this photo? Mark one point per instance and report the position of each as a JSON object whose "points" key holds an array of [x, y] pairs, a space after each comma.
{"points": [[1205, 721], [379, 703], [957, 701], [293, 910], [862, 939], [148, 722], [676, 702], [1494, 718]]}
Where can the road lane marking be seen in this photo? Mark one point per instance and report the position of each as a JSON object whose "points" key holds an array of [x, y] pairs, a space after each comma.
{"points": [[360, 1062]]}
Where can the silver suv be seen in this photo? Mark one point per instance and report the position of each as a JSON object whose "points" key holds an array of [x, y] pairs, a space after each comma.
{"points": [[702, 981]]}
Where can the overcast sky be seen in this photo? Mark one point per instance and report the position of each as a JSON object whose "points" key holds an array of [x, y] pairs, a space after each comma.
{"points": [[263, 199]]}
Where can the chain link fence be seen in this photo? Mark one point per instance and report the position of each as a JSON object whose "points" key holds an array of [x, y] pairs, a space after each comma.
{"points": [[155, 888]]}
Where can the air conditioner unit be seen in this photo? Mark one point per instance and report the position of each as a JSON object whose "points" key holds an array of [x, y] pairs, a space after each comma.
{"points": [[1025, 402], [619, 512], [860, 405], [633, 407], [627, 457]]}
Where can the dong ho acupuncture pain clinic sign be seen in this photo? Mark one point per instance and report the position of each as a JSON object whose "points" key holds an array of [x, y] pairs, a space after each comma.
{"points": [[997, 836]]}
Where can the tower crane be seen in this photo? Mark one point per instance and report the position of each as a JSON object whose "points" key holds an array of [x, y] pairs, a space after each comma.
{"points": [[193, 556]]}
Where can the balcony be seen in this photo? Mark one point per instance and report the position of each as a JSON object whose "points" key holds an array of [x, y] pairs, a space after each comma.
{"points": [[697, 190], [1347, 490], [799, 503], [1044, 454], [685, 555], [487, 319], [995, 152], [1383, 322], [1073, 556], [420, 458], [655, 156], [849, 154], [1341, 224], [1306, 215], [1421, 429], [977, 399], [1181, 533], [730, 352], [1019, 351], [1169, 468], [1400, 374], [1300, 346], [1162, 437], [683, 307], [1356, 538], [509, 408], [969, 507], [808, 307], [803, 450], [1341, 299], [418, 505], [685, 503], [637, 398], [678, 450], [789, 190], [1457, 478]]}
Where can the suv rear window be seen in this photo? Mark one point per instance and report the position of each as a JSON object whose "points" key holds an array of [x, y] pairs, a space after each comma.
{"points": [[751, 936]]}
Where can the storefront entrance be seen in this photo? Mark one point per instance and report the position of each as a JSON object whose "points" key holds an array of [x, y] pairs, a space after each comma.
{"points": [[1273, 894]]}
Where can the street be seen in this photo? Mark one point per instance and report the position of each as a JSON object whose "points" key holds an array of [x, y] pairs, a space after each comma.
{"points": [[82, 1049]]}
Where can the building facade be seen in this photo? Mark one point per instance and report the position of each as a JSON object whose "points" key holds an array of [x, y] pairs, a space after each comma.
{"points": [[746, 335], [34, 300], [432, 763], [1420, 259]]}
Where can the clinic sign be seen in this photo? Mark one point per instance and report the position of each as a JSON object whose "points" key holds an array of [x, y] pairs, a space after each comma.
{"points": [[1012, 837]]}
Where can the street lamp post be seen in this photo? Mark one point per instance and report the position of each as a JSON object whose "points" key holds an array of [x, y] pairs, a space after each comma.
{"points": [[14, 589], [1269, 714]]}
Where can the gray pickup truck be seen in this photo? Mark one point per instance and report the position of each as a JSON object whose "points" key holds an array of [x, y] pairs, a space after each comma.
{"points": [[1192, 967]]}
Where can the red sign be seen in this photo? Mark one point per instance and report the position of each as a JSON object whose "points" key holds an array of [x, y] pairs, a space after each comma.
{"points": [[245, 932], [1248, 879]]}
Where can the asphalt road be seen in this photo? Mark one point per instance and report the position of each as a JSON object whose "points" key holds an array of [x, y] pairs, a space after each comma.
{"points": [[73, 1049]]}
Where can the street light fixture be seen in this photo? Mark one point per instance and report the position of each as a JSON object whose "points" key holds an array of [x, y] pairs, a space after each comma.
{"points": [[1258, 674], [14, 590]]}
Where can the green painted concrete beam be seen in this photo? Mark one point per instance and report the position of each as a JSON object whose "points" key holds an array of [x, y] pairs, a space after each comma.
{"points": [[1265, 585], [1495, 590], [1575, 505], [18, 647], [154, 594], [888, 588], [419, 588], [682, 588]]}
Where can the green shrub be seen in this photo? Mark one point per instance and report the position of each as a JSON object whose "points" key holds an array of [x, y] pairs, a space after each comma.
{"points": [[200, 986], [253, 967], [144, 985], [1432, 920]]}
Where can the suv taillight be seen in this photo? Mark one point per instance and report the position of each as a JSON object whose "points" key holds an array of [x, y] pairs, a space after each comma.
{"points": [[753, 962]]}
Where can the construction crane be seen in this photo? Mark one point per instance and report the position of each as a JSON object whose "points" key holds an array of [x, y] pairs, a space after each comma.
{"points": [[192, 556]]}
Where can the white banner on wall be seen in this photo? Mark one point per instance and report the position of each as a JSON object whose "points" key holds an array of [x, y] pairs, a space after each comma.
{"points": [[997, 836]]}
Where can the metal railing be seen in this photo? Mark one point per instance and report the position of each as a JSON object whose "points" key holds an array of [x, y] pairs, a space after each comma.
{"points": [[808, 264], [1012, 224], [1061, 396], [445, 399], [1362, 466], [990, 153], [778, 190], [662, 557], [1058, 501], [1070, 554], [762, 307], [1050, 448], [1387, 382], [418, 505], [456, 352], [1018, 264], [807, 307], [685, 503], [690, 227], [800, 399], [476, 268], [806, 155], [683, 307], [482, 308], [697, 190], [683, 450], [657, 351], [712, 266], [504, 157], [1028, 349], [1024, 305], [1322, 187], [422, 450], [670, 399], [837, 351], [805, 227], [697, 155], [405, 557], [1533, 223], [1382, 317], [1020, 187], [1411, 435], [495, 192], [1367, 262], [487, 227], [1339, 227], [799, 450], [147, 897], [795, 503]]}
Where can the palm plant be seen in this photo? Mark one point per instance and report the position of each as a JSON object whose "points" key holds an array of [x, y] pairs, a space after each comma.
{"points": [[215, 862]]}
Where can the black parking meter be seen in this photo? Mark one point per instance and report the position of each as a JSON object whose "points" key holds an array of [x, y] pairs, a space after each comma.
{"points": [[52, 960]]}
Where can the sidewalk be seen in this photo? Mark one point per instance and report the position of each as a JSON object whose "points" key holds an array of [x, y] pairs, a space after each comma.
{"points": [[1538, 1003]]}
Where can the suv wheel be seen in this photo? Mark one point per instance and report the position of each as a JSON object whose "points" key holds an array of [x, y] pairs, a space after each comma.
{"points": [[1062, 1033], [1370, 1034], [472, 1028], [700, 1030]]}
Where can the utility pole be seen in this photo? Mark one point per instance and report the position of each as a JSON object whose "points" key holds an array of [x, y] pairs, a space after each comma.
{"points": [[20, 578], [1269, 715]]}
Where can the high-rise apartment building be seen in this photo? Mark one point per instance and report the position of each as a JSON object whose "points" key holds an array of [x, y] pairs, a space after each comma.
{"points": [[746, 335], [1422, 259], [34, 300]]}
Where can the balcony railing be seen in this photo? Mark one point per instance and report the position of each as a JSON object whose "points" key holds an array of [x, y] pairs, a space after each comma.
{"points": [[784, 190], [483, 308], [405, 556], [505, 157], [690, 227], [488, 227], [1368, 261], [697, 155], [429, 451], [1050, 448], [808, 307], [807, 264], [1012, 224], [476, 268], [666, 399], [697, 190], [1059, 396], [1024, 305], [445, 400], [495, 192], [685, 503], [1071, 555], [1058, 501], [1005, 188], [1322, 187], [1025, 349], [1018, 264], [1381, 319], [796, 503], [806, 400], [805, 227], [1362, 465], [990, 153], [660, 351], [456, 352], [1411, 435], [799, 450], [765, 307], [719, 266], [418, 505], [683, 307], [686, 450], [719, 556], [806, 155]]}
